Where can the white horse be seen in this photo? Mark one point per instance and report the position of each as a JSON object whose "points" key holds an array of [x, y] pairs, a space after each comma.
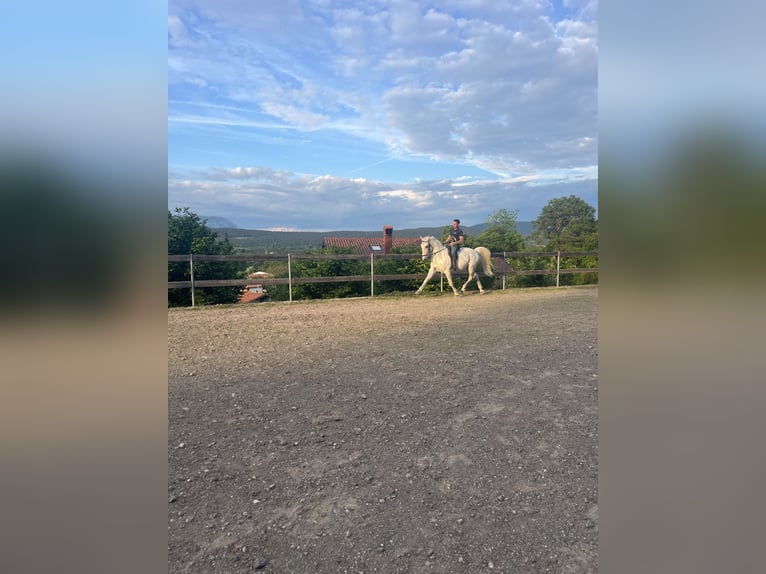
{"points": [[432, 248]]}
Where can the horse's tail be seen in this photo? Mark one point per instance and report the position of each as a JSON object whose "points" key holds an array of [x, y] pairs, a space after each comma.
{"points": [[486, 259]]}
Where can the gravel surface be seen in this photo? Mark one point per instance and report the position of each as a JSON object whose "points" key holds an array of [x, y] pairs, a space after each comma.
{"points": [[388, 434]]}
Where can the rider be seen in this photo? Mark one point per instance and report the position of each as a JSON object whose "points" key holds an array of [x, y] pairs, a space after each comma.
{"points": [[455, 240]]}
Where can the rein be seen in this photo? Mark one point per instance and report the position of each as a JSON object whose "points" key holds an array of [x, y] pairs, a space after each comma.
{"points": [[431, 250]]}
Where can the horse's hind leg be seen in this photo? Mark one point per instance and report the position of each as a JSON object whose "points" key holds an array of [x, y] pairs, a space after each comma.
{"points": [[478, 282], [471, 276]]}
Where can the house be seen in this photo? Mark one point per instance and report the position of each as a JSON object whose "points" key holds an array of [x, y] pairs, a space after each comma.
{"points": [[369, 244], [254, 292]]}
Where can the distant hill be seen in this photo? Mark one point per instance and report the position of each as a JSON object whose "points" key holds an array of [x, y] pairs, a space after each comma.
{"points": [[264, 241], [215, 222]]}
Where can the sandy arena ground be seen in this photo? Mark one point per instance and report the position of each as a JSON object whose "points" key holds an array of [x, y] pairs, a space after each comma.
{"points": [[395, 434]]}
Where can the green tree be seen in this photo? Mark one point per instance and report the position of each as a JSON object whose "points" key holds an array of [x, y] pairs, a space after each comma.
{"points": [[330, 268], [501, 234], [188, 234], [413, 266], [569, 224], [530, 263], [566, 223]]}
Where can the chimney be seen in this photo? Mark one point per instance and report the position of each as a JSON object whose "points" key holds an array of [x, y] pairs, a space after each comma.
{"points": [[388, 238]]}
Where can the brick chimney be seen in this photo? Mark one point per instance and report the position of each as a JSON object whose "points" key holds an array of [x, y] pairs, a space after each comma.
{"points": [[388, 238]]}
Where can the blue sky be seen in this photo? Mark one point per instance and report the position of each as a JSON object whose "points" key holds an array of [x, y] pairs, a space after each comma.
{"points": [[329, 115]]}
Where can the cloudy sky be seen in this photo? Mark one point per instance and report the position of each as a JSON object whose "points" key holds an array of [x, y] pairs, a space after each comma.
{"points": [[335, 114]]}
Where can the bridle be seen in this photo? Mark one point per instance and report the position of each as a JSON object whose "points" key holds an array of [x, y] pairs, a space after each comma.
{"points": [[430, 251]]}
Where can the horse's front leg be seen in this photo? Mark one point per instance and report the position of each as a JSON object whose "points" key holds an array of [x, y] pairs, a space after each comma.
{"points": [[426, 280], [448, 273]]}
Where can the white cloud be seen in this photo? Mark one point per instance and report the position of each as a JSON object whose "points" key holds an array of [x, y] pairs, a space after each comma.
{"points": [[508, 87], [294, 115], [251, 194], [178, 35], [414, 198]]}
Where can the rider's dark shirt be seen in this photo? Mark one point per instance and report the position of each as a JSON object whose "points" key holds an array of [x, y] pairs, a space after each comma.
{"points": [[455, 233]]}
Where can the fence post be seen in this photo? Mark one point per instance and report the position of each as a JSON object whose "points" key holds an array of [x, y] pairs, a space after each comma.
{"points": [[290, 276], [191, 274], [558, 266], [372, 274], [505, 269]]}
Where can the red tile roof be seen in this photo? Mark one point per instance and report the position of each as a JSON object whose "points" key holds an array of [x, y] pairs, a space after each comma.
{"points": [[253, 292], [248, 297], [362, 244]]}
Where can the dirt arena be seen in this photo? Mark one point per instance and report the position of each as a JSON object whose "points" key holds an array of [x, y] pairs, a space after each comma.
{"points": [[394, 434]]}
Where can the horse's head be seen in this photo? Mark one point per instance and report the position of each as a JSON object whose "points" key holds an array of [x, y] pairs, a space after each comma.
{"points": [[426, 249]]}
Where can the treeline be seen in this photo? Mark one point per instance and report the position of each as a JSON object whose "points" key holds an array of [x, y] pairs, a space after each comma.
{"points": [[564, 224]]}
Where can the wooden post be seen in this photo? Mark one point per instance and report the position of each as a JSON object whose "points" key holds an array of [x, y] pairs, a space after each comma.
{"points": [[372, 274], [558, 266], [191, 274], [505, 269], [290, 276]]}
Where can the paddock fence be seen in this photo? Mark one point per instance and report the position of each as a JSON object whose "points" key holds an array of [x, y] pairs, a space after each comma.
{"points": [[502, 262]]}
